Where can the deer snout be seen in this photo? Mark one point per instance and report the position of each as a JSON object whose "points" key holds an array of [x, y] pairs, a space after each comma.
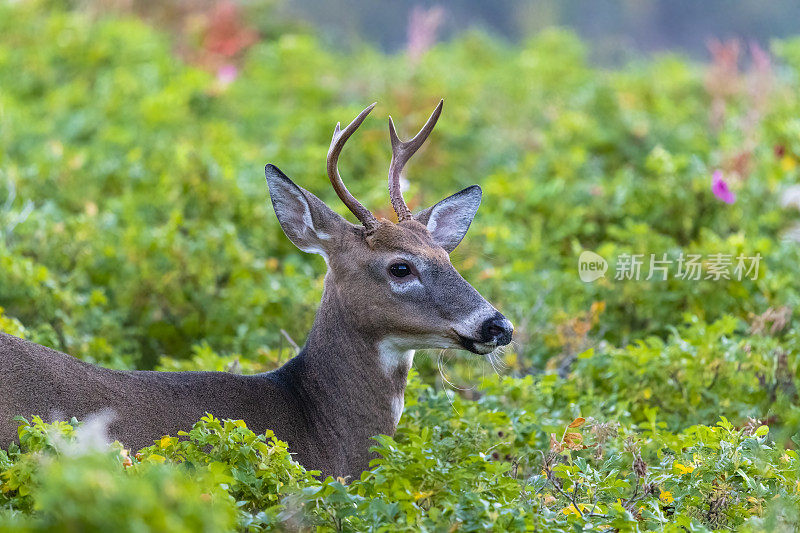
{"points": [[497, 330]]}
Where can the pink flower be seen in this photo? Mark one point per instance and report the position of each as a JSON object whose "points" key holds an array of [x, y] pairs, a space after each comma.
{"points": [[226, 74], [423, 25], [720, 188]]}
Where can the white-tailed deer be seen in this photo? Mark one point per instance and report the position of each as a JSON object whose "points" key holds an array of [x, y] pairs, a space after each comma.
{"points": [[389, 290]]}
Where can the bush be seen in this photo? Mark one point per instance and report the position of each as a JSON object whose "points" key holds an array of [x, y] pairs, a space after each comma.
{"points": [[73, 485], [135, 232]]}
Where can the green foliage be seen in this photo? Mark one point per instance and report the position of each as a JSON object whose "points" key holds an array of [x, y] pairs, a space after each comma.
{"points": [[255, 469], [100, 114], [135, 232], [588, 474], [70, 483]]}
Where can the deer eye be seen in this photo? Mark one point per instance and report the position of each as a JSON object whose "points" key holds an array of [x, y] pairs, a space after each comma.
{"points": [[399, 270]]}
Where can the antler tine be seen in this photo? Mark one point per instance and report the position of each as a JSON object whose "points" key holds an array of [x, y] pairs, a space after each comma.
{"points": [[340, 137], [401, 153]]}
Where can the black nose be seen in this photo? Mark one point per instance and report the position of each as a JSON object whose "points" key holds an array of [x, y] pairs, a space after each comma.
{"points": [[498, 330]]}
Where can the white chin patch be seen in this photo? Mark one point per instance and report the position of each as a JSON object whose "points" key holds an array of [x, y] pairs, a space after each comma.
{"points": [[397, 351], [393, 354], [484, 348], [397, 408]]}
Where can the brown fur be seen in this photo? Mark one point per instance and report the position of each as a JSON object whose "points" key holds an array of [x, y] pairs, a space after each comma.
{"points": [[344, 387]]}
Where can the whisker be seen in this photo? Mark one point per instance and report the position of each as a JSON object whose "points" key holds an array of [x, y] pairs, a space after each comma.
{"points": [[449, 399], [444, 378], [516, 345], [500, 360], [490, 358]]}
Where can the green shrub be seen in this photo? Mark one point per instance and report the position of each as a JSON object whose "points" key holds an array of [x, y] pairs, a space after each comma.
{"points": [[135, 232], [69, 484]]}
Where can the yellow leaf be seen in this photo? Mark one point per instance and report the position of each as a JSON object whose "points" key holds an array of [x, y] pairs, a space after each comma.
{"points": [[596, 309], [422, 495], [666, 496], [572, 510], [578, 422], [165, 441]]}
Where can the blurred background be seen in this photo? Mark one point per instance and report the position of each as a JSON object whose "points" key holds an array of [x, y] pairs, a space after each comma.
{"points": [[617, 30], [136, 232], [135, 220]]}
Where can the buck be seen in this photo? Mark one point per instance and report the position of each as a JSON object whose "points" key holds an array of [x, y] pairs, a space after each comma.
{"points": [[389, 290]]}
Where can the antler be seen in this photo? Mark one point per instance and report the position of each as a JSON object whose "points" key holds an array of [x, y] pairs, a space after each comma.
{"points": [[340, 137], [401, 153]]}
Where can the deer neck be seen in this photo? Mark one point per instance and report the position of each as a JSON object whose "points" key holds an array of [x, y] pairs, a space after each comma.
{"points": [[354, 377]]}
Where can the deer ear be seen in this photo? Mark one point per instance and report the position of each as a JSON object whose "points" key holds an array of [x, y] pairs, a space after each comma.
{"points": [[305, 219], [449, 220]]}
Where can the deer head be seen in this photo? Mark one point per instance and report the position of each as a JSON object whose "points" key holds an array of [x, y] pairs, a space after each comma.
{"points": [[395, 280]]}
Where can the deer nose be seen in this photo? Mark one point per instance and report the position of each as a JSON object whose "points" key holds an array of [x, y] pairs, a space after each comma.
{"points": [[497, 330]]}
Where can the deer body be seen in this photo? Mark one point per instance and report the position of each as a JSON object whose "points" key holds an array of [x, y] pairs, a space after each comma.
{"points": [[311, 402], [390, 289]]}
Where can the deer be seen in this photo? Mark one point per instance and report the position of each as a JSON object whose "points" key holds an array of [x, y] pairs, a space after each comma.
{"points": [[390, 289]]}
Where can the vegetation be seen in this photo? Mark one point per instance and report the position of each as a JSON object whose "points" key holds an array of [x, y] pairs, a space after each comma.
{"points": [[135, 232]]}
